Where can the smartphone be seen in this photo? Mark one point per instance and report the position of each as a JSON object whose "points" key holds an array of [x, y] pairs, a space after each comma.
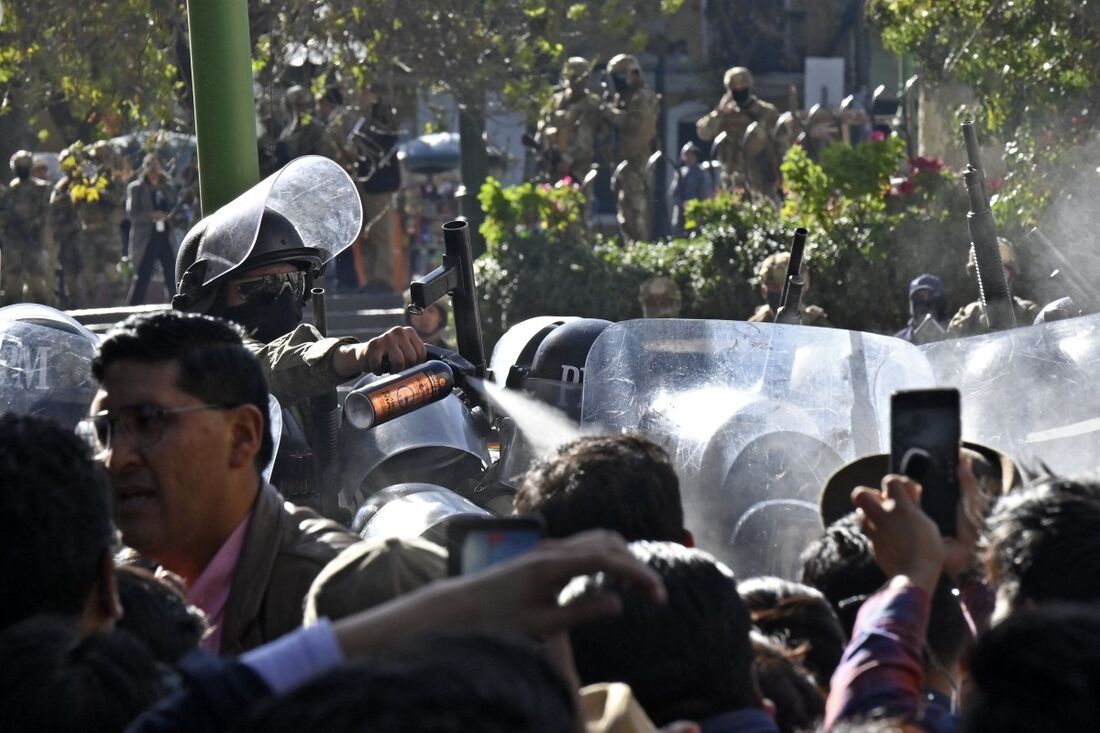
{"points": [[925, 434], [475, 543]]}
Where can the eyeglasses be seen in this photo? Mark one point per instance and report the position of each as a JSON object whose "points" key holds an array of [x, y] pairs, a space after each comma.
{"points": [[268, 288], [143, 424]]}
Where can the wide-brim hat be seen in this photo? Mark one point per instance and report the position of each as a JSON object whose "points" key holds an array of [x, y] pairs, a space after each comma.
{"points": [[836, 497]]}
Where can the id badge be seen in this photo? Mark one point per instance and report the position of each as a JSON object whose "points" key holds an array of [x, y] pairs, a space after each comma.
{"points": [[160, 226]]}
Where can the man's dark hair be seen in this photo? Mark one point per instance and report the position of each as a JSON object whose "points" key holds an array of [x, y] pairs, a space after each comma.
{"points": [[445, 683], [52, 680], [1042, 543], [624, 483], [841, 564], [798, 703], [214, 364], [56, 506], [688, 659], [800, 619], [158, 614], [1037, 670]]}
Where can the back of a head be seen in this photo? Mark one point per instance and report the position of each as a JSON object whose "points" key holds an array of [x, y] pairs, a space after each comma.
{"points": [[57, 514], [800, 618], [689, 659], [51, 680], [623, 483], [449, 683], [798, 703], [158, 614], [214, 364], [841, 564], [1038, 670], [1042, 544]]}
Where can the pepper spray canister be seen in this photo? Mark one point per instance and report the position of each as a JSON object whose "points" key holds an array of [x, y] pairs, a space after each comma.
{"points": [[398, 394]]}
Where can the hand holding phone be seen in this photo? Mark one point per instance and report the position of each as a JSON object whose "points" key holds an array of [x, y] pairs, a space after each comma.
{"points": [[475, 543], [925, 436]]}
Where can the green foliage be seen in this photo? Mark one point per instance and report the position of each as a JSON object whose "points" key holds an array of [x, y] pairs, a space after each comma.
{"points": [[868, 239], [1034, 66], [117, 65]]}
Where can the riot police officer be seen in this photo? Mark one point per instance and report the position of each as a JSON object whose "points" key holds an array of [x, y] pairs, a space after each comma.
{"points": [[254, 261], [26, 245], [633, 112]]}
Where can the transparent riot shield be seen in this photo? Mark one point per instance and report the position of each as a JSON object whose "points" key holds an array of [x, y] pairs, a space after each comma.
{"points": [[1030, 392], [45, 364], [314, 193], [755, 417]]}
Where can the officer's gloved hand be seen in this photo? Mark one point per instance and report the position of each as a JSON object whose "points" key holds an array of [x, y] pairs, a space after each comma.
{"points": [[399, 348]]}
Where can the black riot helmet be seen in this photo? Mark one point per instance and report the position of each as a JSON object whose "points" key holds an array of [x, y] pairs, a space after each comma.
{"points": [[557, 370], [304, 214]]}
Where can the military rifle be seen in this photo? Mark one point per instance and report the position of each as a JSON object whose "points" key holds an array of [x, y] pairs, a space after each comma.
{"points": [[790, 302], [993, 289]]}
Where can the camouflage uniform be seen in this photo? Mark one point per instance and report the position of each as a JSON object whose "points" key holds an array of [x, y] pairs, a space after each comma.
{"points": [[770, 274], [99, 279], [971, 319], [634, 115], [66, 232], [753, 162], [570, 122], [26, 254]]}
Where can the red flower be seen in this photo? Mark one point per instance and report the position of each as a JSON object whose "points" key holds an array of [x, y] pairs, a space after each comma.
{"points": [[996, 184], [906, 187], [932, 165]]}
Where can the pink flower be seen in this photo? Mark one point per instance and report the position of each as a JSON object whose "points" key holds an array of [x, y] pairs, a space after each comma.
{"points": [[877, 136]]}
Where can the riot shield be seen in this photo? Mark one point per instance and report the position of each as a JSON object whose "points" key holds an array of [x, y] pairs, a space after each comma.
{"points": [[755, 417], [45, 364], [1030, 392], [314, 193], [407, 511]]}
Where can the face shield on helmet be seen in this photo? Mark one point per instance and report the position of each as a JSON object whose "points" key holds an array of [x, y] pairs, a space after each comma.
{"points": [[406, 511], [45, 364], [307, 212]]}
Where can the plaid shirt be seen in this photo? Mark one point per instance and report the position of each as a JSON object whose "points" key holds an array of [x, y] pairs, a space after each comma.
{"points": [[881, 674]]}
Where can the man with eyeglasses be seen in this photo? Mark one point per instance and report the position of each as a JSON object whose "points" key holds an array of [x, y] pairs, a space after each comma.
{"points": [[180, 423]]}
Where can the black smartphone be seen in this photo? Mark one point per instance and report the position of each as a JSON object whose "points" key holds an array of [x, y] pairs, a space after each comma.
{"points": [[475, 543], [925, 434]]}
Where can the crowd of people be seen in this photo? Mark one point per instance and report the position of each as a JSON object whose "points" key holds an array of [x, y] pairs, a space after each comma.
{"points": [[151, 591]]}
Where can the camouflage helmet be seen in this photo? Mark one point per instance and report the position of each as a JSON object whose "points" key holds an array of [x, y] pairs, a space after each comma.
{"points": [[660, 297], [1008, 258], [623, 63], [101, 153], [575, 67], [773, 270], [298, 97], [738, 75], [23, 159]]}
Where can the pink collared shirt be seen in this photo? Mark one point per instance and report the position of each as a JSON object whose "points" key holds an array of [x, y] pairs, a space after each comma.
{"points": [[211, 589]]}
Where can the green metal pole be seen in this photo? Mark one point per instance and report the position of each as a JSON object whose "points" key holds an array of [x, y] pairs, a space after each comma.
{"points": [[225, 115]]}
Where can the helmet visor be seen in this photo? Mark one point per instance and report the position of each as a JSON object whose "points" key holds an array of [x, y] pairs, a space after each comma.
{"points": [[315, 194]]}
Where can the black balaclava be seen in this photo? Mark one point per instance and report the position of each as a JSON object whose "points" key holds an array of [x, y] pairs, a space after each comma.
{"points": [[741, 96], [268, 320]]}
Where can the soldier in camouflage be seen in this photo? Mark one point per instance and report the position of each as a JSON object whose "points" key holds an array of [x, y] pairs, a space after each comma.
{"points": [[769, 277], [750, 162], [66, 230], [633, 114], [971, 319], [567, 130], [100, 209], [27, 242]]}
